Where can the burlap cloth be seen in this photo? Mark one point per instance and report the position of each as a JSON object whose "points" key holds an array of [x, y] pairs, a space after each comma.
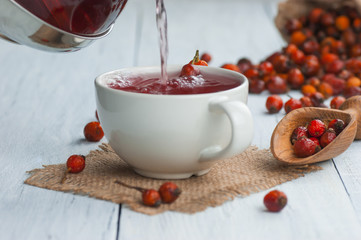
{"points": [[252, 171]]}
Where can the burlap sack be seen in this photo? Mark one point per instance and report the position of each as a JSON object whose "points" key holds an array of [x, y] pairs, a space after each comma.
{"points": [[297, 8]]}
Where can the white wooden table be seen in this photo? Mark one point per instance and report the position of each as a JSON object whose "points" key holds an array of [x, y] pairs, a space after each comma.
{"points": [[47, 98]]}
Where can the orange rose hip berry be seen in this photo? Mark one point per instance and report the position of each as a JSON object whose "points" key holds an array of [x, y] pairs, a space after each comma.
{"points": [[169, 192], [93, 132], [275, 201]]}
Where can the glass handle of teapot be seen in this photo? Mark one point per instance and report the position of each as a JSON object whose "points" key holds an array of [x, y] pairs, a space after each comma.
{"points": [[241, 129]]}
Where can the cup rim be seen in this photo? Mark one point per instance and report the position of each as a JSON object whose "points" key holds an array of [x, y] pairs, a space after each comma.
{"points": [[99, 82]]}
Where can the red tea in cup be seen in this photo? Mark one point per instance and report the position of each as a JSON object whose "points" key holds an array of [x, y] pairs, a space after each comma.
{"points": [[205, 83], [76, 16]]}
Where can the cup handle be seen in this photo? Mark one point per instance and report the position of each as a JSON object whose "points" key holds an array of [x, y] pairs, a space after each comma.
{"points": [[241, 125]]}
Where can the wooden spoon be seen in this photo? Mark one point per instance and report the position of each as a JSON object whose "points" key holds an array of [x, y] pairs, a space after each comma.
{"points": [[350, 113]]}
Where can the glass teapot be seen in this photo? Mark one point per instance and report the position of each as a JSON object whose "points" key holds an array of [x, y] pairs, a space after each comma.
{"points": [[57, 25]]}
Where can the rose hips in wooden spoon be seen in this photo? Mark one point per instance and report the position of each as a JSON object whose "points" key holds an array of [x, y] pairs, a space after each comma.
{"points": [[275, 201], [305, 147], [316, 128], [338, 125]]}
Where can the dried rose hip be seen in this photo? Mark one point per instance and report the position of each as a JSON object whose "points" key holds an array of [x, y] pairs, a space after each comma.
{"points": [[206, 57], [292, 104], [298, 133], [151, 197], [230, 66], [75, 163], [189, 70], [275, 201], [265, 68], [327, 137], [256, 86], [317, 141], [316, 128], [337, 101], [169, 192], [306, 102], [317, 99], [277, 85], [305, 147], [93, 132], [295, 78], [337, 125], [274, 104], [244, 64]]}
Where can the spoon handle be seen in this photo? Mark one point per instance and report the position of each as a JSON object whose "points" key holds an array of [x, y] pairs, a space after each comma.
{"points": [[353, 106]]}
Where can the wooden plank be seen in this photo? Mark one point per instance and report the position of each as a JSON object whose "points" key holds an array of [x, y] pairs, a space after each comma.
{"points": [[46, 100], [348, 166], [319, 207]]}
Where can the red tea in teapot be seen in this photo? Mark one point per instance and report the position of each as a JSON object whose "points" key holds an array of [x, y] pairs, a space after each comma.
{"points": [[76, 16]]}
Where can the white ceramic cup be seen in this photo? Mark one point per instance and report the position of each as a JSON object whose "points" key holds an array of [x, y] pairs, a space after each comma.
{"points": [[174, 136]]}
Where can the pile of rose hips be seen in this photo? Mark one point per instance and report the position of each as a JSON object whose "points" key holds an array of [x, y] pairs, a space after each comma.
{"points": [[322, 58], [308, 140]]}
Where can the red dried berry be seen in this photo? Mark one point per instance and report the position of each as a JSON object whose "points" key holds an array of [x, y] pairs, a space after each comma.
{"points": [[316, 128], [317, 99], [93, 132], [274, 104], [189, 70], [306, 101], [277, 85], [230, 66], [256, 86], [281, 64], [265, 68], [169, 192], [206, 57], [295, 78], [317, 141], [338, 125], [275, 201], [327, 137], [151, 197], [311, 66], [298, 57], [75, 163], [305, 147], [298, 133], [292, 104], [244, 64], [337, 101]]}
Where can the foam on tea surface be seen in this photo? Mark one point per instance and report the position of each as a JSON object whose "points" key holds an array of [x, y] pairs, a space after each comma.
{"points": [[204, 83]]}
